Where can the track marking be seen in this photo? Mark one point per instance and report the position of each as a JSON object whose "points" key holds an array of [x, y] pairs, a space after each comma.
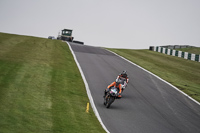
{"points": [[88, 90], [87, 107]]}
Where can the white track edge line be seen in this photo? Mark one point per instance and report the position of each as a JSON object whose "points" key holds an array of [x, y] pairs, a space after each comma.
{"points": [[88, 90], [156, 77]]}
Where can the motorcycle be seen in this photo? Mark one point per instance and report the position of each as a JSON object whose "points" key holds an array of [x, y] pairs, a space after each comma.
{"points": [[110, 96]]}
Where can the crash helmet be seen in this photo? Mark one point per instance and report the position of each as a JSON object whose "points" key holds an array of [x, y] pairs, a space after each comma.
{"points": [[124, 74]]}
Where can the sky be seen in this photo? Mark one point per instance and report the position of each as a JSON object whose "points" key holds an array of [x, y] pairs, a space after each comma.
{"points": [[132, 24]]}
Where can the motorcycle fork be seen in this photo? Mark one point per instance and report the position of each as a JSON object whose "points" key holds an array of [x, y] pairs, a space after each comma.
{"points": [[107, 98]]}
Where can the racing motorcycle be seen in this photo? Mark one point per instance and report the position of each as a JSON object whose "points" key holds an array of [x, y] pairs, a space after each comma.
{"points": [[110, 96]]}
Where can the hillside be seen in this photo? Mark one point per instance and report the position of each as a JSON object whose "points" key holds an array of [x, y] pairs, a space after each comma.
{"points": [[41, 89]]}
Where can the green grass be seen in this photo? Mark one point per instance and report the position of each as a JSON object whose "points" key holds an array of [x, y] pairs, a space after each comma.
{"points": [[41, 90], [184, 74], [194, 50]]}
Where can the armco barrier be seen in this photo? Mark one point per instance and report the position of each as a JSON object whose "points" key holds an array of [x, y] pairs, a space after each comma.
{"points": [[181, 54]]}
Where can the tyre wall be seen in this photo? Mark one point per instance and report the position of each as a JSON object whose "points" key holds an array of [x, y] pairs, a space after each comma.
{"points": [[172, 52]]}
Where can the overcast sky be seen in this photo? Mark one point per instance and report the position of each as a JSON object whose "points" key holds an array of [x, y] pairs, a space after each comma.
{"points": [[133, 24]]}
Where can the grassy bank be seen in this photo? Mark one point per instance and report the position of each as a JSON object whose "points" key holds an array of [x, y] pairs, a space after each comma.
{"points": [[41, 89], [184, 74]]}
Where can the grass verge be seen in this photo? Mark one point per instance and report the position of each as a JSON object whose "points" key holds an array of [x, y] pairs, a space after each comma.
{"points": [[184, 74], [41, 89]]}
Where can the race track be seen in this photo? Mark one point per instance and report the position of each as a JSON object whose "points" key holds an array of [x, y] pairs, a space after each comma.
{"points": [[148, 105]]}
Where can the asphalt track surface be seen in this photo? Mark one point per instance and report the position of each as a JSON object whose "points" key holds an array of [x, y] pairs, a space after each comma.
{"points": [[148, 105]]}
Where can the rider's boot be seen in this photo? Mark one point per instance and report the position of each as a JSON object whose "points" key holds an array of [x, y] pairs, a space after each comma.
{"points": [[119, 96]]}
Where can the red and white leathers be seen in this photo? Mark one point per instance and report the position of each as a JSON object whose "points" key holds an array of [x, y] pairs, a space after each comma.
{"points": [[121, 77]]}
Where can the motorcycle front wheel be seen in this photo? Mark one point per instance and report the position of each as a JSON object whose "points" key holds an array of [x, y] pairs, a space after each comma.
{"points": [[109, 101]]}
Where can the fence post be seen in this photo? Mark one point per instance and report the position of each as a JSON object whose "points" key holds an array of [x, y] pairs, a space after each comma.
{"points": [[156, 49], [161, 50], [183, 54], [166, 51], [186, 55], [196, 57], [199, 58], [173, 52], [176, 53], [189, 56], [193, 57], [179, 53]]}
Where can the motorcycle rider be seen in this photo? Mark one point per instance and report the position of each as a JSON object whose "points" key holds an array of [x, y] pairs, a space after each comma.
{"points": [[123, 76], [115, 84]]}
